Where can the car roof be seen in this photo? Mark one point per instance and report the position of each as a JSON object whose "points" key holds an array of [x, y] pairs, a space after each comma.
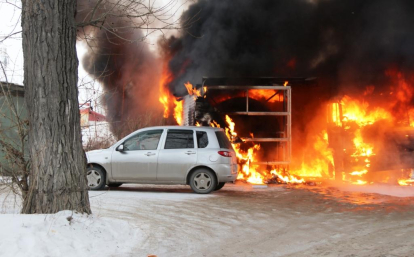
{"points": [[182, 127]]}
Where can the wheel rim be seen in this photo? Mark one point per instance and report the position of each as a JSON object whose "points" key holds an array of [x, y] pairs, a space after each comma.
{"points": [[94, 178], [202, 181]]}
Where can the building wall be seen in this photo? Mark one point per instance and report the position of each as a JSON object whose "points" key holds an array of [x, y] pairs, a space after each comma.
{"points": [[10, 120]]}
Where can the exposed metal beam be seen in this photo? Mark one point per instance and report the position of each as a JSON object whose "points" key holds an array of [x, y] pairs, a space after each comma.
{"points": [[259, 113], [271, 163], [265, 139], [278, 87]]}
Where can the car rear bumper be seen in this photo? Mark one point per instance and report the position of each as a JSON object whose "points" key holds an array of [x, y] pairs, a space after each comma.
{"points": [[229, 178], [226, 172]]}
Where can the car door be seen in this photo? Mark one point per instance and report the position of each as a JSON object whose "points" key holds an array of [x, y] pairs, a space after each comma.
{"points": [[177, 156], [138, 159]]}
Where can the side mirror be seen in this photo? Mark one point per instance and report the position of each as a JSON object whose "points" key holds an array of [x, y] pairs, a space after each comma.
{"points": [[120, 148]]}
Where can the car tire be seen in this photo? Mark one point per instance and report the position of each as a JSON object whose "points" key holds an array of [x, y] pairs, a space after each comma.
{"points": [[115, 184], [96, 178], [220, 186], [203, 181]]}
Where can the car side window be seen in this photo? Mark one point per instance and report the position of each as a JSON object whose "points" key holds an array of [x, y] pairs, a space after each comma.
{"points": [[179, 139], [147, 140], [202, 139]]}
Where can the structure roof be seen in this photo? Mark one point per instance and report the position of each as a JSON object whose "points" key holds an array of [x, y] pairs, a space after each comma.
{"points": [[257, 81], [14, 89]]}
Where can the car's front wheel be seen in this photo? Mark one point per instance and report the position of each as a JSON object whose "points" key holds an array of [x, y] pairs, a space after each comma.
{"points": [[203, 181], [96, 178]]}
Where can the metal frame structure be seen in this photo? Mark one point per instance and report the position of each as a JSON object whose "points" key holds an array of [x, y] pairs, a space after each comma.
{"points": [[287, 102]]}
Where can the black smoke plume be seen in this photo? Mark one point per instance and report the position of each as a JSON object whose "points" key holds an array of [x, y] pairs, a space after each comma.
{"points": [[120, 59], [343, 43]]}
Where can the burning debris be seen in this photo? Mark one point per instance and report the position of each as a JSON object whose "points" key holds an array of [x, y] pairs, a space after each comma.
{"points": [[370, 140]]}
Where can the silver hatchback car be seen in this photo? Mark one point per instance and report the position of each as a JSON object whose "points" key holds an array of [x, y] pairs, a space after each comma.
{"points": [[201, 157]]}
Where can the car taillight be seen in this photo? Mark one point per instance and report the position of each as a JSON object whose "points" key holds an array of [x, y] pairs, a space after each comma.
{"points": [[225, 153]]}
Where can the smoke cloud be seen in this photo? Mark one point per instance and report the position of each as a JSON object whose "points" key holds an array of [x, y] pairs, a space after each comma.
{"points": [[120, 59], [343, 43]]}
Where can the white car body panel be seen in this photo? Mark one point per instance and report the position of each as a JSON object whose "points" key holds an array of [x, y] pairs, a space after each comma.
{"points": [[164, 166]]}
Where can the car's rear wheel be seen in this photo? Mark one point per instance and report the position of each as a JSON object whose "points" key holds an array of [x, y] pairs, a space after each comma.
{"points": [[220, 186], [115, 184], [96, 178], [203, 181]]}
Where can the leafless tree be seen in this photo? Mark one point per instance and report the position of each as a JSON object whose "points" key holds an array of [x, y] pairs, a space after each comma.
{"points": [[116, 15], [58, 177], [49, 31]]}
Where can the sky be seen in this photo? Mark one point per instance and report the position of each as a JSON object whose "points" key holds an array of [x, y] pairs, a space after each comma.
{"points": [[11, 53]]}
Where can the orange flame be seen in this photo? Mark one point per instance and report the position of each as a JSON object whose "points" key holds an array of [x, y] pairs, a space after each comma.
{"points": [[192, 90], [352, 115], [359, 173], [178, 112], [166, 78], [214, 124], [270, 96], [167, 100], [360, 182], [354, 110], [250, 172], [406, 182], [318, 166], [287, 178], [359, 114]]}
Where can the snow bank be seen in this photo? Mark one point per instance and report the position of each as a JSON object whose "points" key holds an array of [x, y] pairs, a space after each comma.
{"points": [[66, 234]]}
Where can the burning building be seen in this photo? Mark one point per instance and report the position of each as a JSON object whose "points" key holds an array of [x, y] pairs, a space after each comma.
{"points": [[263, 109], [359, 144]]}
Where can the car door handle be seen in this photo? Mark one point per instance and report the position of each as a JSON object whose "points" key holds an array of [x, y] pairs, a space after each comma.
{"points": [[149, 154], [189, 152]]}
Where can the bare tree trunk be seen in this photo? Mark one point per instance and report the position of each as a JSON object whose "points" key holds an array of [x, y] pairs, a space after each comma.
{"points": [[58, 171]]}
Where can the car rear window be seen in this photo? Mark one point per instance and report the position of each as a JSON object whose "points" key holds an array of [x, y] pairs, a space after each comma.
{"points": [[202, 139], [223, 140], [179, 139]]}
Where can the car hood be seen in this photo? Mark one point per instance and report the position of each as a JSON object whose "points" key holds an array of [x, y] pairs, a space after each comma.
{"points": [[97, 154], [95, 151]]}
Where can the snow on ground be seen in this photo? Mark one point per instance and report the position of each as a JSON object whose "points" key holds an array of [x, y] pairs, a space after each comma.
{"points": [[72, 234], [65, 234], [239, 220]]}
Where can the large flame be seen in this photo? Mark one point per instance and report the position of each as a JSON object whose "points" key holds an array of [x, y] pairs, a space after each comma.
{"points": [[359, 112], [178, 112], [249, 171], [317, 167], [167, 100], [352, 115], [165, 96], [355, 116], [348, 114], [192, 90]]}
